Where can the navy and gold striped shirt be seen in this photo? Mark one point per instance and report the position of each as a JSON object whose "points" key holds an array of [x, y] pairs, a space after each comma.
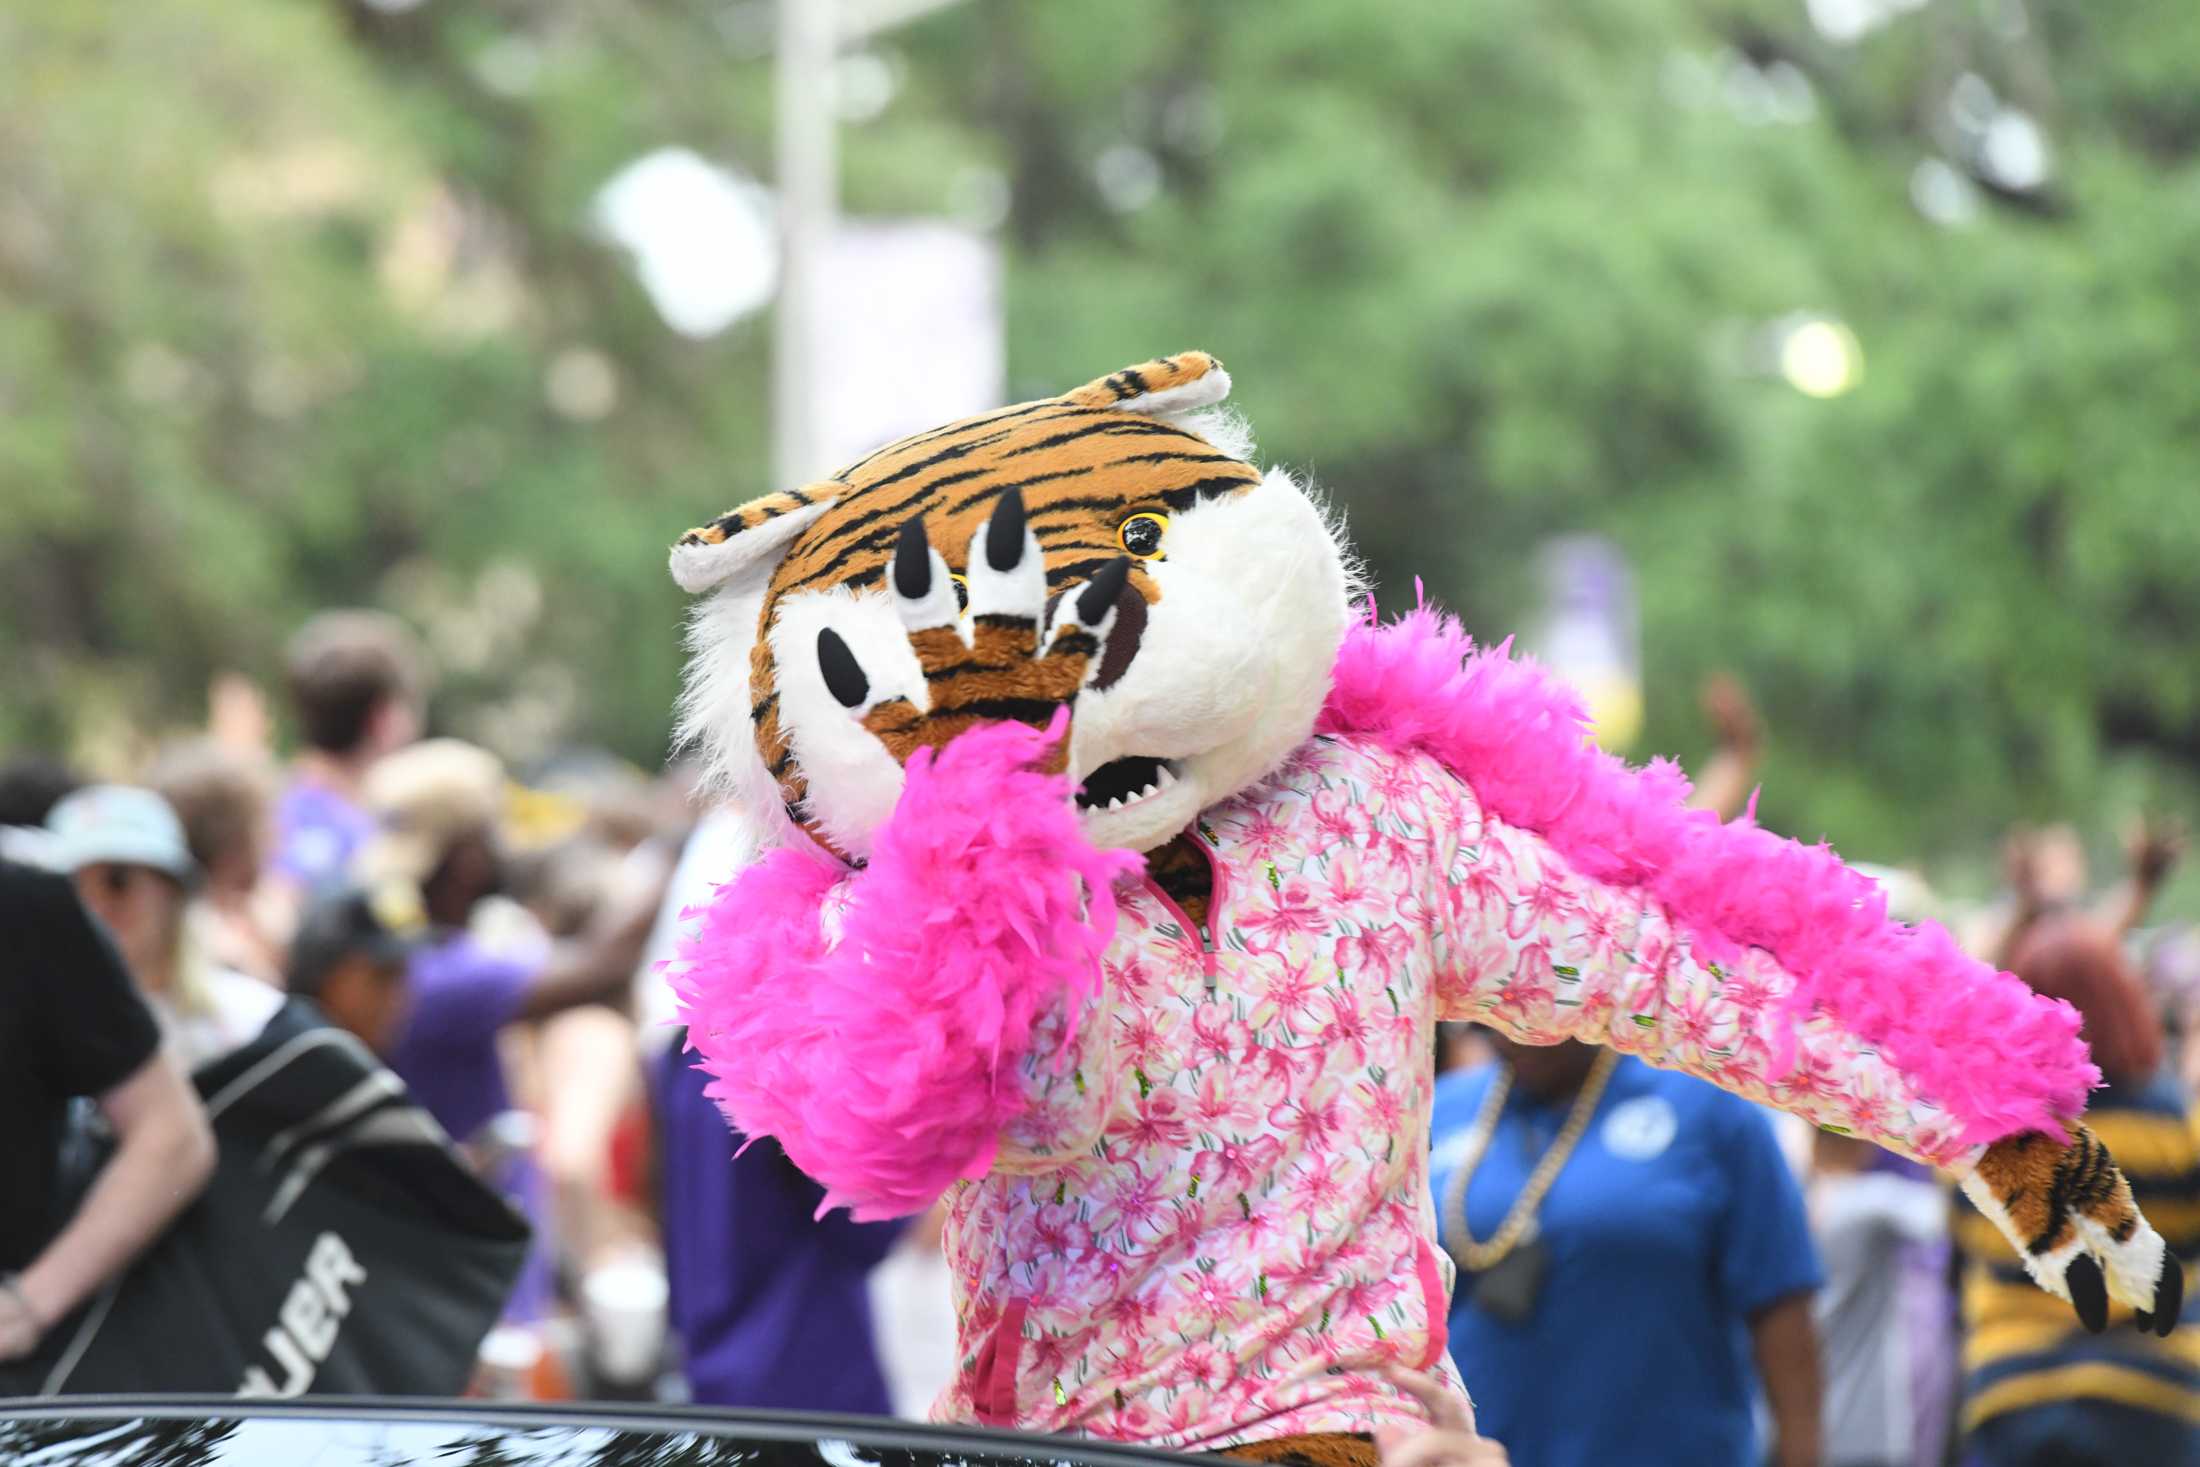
{"points": [[2023, 1349]]}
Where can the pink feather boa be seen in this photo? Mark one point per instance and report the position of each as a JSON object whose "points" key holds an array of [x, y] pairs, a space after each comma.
{"points": [[886, 1063], [1997, 1056]]}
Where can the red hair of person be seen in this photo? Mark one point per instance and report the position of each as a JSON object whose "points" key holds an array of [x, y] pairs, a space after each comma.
{"points": [[2078, 959]]}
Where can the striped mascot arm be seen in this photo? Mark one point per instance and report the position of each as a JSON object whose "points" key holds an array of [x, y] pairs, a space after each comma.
{"points": [[1580, 899]]}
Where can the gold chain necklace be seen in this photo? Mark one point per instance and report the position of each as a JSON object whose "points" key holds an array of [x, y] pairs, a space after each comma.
{"points": [[1474, 1257]]}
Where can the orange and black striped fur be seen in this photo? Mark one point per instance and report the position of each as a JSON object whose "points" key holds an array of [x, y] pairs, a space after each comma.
{"points": [[1082, 467], [1120, 468], [2068, 1209], [2046, 1187], [2021, 1350]]}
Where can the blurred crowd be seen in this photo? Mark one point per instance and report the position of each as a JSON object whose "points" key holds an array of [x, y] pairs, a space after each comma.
{"points": [[1761, 1291], [494, 940]]}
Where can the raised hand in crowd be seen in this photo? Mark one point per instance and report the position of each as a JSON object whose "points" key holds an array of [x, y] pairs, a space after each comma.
{"points": [[2035, 867], [1723, 784], [2153, 845], [237, 716]]}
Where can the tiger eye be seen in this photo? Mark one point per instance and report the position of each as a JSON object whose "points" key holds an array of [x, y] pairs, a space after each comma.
{"points": [[962, 591], [1140, 535]]}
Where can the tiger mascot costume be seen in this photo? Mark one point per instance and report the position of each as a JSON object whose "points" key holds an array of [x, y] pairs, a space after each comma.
{"points": [[1123, 868]]}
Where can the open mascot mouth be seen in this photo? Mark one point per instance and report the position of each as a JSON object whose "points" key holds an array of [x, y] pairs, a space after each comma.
{"points": [[1121, 782]]}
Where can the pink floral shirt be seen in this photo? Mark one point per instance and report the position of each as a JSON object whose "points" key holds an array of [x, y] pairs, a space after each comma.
{"points": [[1224, 1176]]}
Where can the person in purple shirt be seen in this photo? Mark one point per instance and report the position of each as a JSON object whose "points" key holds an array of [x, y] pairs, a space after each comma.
{"points": [[436, 806], [770, 1303], [354, 679], [317, 832]]}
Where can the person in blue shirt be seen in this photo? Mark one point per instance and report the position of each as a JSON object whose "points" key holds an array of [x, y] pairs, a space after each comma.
{"points": [[1612, 1313]]}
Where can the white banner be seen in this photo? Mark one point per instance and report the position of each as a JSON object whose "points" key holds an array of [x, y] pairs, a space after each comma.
{"points": [[910, 334]]}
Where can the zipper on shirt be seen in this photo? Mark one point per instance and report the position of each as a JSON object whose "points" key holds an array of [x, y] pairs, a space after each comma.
{"points": [[1209, 961]]}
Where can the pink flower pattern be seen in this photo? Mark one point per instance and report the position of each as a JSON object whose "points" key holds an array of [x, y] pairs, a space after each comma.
{"points": [[1225, 1173]]}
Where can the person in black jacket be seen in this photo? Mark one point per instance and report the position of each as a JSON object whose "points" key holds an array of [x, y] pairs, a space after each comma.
{"points": [[72, 1026]]}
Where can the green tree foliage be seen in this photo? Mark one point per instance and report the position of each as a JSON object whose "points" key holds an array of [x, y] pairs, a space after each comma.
{"points": [[287, 284], [286, 288], [1501, 270]]}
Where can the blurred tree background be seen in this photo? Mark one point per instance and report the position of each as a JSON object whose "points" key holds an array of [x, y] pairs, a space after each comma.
{"points": [[305, 307]]}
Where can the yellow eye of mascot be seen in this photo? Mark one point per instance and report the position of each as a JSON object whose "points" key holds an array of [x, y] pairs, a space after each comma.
{"points": [[1122, 868]]}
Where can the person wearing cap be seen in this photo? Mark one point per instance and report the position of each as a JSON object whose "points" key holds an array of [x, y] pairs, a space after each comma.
{"points": [[125, 850], [350, 954], [73, 1027], [436, 806]]}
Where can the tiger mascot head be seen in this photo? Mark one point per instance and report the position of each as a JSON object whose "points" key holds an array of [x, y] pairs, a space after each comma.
{"points": [[1217, 595]]}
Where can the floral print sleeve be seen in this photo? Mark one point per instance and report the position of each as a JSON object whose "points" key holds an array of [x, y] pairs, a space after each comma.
{"points": [[1528, 945]]}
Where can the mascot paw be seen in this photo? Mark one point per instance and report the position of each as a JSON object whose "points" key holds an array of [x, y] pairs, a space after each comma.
{"points": [[2068, 1210], [996, 658], [2160, 1316]]}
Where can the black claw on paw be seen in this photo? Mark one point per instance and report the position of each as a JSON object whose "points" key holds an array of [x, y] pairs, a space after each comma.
{"points": [[2169, 1299], [844, 677], [1102, 591], [2088, 1292], [913, 561], [1004, 533]]}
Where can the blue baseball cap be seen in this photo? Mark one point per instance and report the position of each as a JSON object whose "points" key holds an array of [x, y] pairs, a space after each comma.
{"points": [[121, 825]]}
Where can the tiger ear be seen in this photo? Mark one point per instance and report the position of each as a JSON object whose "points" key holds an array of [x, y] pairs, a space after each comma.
{"points": [[1188, 380], [752, 536]]}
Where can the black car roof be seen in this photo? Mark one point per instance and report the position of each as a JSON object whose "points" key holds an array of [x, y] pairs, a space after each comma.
{"points": [[790, 1427]]}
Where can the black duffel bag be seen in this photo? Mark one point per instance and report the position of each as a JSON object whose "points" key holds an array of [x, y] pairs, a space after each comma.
{"points": [[341, 1247]]}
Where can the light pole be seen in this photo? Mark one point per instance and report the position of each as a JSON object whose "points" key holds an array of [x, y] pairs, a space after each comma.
{"points": [[808, 183], [811, 33]]}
